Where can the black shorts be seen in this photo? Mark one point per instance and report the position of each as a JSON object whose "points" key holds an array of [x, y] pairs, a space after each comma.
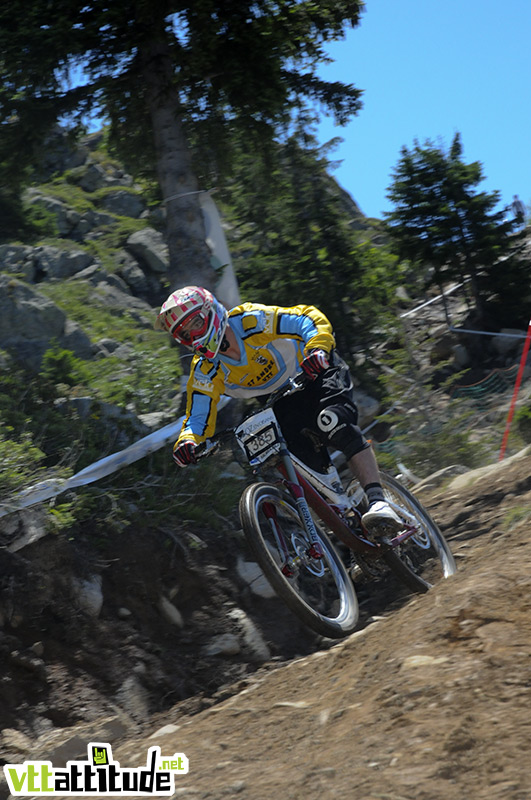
{"points": [[308, 430]]}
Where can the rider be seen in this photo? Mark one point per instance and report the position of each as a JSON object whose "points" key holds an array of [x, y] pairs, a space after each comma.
{"points": [[255, 349]]}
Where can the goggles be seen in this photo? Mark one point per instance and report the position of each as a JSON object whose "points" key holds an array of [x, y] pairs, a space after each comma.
{"points": [[193, 326]]}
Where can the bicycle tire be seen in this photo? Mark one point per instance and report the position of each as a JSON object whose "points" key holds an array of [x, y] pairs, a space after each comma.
{"points": [[425, 557], [320, 592]]}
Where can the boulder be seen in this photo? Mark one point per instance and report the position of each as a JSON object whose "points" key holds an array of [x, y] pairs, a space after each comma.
{"points": [[18, 260], [52, 262], [93, 178], [126, 204], [60, 153], [65, 218], [148, 247], [29, 322]]}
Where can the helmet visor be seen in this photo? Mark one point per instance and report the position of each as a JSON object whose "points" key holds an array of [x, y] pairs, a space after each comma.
{"points": [[190, 328]]}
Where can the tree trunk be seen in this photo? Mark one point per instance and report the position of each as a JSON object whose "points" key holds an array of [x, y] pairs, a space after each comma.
{"points": [[185, 229]]}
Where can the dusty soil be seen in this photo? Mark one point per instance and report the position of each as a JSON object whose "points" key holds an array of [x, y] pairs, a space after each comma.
{"points": [[429, 699]]}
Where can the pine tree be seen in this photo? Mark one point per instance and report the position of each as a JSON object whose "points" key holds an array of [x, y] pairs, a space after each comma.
{"points": [[441, 221], [202, 71], [293, 241]]}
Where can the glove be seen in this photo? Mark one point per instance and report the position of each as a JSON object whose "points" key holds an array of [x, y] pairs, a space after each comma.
{"points": [[184, 453], [315, 363]]}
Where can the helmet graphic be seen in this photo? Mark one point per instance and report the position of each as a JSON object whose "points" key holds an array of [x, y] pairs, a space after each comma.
{"points": [[194, 318]]}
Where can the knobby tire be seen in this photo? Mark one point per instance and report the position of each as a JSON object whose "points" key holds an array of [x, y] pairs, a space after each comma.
{"points": [[327, 603], [424, 559]]}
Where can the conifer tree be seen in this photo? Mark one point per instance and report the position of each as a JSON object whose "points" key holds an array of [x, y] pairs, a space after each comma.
{"points": [[165, 72], [441, 221]]}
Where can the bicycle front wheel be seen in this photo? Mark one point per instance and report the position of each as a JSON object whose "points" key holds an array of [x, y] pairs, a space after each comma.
{"points": [[309, 577]]}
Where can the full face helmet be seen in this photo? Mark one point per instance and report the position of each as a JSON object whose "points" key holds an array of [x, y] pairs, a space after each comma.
{"points": [[194, 318]]}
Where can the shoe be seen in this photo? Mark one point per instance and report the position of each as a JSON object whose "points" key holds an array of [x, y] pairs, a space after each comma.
{"points": [[381, 519]]}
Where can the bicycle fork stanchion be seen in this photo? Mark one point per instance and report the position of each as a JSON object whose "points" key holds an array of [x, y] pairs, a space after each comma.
{"points": [[271, 516], [297, 493]]}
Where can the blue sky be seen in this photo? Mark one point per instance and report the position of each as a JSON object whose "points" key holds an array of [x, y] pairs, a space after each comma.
{"points": [[429, 69]]}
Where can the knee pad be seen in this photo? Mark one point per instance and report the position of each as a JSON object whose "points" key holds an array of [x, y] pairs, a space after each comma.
{"points": [[337, 425]]}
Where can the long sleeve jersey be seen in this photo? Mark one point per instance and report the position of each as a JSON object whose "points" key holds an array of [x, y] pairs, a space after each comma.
{"points": [[272, 341]]}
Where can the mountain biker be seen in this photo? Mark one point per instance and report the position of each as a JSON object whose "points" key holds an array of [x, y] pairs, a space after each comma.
{"points": [[255, 349]]}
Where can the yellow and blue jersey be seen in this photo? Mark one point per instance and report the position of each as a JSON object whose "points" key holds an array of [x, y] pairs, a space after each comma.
{"points": [[272, 342]]}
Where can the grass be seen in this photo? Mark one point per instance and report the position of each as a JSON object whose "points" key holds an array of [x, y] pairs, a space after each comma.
{"points": [[147, 375]]}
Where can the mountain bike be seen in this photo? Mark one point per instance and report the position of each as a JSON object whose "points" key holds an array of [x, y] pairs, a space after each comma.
{"points": [[290, 511]]}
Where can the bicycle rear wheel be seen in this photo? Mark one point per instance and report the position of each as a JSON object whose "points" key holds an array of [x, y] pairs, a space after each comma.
{"points": [[310, 578], [425, 557]]}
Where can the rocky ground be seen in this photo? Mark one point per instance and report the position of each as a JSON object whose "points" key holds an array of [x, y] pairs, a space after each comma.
{"points": [[428, 699]]}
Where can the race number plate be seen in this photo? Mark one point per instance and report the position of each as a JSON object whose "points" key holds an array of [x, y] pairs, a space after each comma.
{"points": [[259, 437]]}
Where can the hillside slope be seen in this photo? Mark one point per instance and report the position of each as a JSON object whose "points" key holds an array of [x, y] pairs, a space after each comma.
{"points": [[429, 700]]}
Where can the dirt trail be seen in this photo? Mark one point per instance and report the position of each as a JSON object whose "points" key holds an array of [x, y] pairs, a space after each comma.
{"points": [[430, 701]]}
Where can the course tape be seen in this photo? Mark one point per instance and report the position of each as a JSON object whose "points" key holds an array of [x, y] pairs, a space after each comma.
{"points": [[45, 490]]}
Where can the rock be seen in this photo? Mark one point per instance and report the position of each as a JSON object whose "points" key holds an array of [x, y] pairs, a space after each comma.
{"points": [[95, 219], [166, 730], [52, 262], [93, 178], [38, 649], [29, 322], [17, 741], [251, 573], [95, 274], [18, 260], [413, 662], [134, 276], [60, 153], [226, 644], [71, 743], [110, 345], [89, 594], [252, 638], [126, 204], [66, 219], [22, 528], [148, 246], [76, 340], [120, 300], [133, 698], [156, 419], [170, 613], [439, 477]]}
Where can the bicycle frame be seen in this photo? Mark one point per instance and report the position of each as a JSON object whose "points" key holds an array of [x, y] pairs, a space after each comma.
{"points": [[261, 439], [327, 513]]}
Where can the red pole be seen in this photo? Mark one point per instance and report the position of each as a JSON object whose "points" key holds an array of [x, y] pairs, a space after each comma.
{"points": [[515, 392]]}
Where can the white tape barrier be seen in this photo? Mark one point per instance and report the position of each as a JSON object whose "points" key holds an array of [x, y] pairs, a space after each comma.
{"points": [[45, 490]]}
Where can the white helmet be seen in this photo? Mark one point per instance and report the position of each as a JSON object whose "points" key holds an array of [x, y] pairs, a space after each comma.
{"points": [[198, 304]]}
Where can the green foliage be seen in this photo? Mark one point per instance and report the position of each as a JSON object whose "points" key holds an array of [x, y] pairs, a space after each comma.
{"points": [[516, 516], [20, 463], [441, 221], [62, 366], [293, 241], [522, 421], [270, 53]]}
